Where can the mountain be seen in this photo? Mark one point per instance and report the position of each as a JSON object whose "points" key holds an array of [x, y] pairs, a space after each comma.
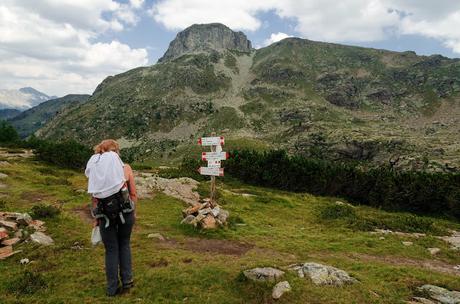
{"points": [[22, 99], [200, 38], [8, 113], [312, 98], [32, 119]]}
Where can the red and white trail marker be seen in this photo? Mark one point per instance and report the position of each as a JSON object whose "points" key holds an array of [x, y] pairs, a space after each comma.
{"points": [[214, 158]]}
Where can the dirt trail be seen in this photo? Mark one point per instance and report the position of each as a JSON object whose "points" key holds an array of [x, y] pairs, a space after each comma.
{"points": [[432, 265]]}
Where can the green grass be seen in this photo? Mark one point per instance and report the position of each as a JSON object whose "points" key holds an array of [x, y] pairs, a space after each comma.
{"points": [[279, 228]]}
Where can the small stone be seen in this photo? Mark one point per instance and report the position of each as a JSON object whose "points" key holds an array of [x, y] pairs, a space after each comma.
{"points": [[3, 233], [434, 251], [156, 236], [38, 225], [18, 233], [215, 212], [24, 261], [9, 224], [197, 219], [41, 238], [10, 242], [3, 175], [188, 219], [280, 289], [407, 243], [457, 267], [422, 300], [381, 238], [205, 211], [7, 251], [209, 222], [193, 209], [265, 274]]}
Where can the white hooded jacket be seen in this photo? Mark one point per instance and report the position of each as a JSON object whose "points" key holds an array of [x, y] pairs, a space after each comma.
{"points": [[105, 174]]}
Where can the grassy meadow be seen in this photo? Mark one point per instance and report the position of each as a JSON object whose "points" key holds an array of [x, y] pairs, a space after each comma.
{"points": [[267, 228]]}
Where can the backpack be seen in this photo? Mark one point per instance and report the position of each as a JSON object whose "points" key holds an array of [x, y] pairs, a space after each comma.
{"points": [[111, 206]]}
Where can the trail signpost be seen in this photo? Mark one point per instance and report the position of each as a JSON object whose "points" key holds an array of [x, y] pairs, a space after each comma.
{"points": [[214, 159]]}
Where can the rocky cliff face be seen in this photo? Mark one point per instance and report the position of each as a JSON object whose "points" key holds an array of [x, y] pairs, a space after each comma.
{"points": [[204, 38]]}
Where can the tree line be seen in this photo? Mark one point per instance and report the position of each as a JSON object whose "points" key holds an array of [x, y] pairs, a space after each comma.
{"points": [[382, 187]]}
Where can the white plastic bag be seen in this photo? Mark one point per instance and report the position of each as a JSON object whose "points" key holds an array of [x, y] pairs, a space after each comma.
{"points": [[96, 236]]}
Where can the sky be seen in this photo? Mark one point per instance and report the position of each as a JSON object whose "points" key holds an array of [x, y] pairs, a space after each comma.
{"points": [[69, 46]]}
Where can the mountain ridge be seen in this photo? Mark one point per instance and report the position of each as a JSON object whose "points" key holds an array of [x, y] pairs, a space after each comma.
{"points": [[313, 98]]}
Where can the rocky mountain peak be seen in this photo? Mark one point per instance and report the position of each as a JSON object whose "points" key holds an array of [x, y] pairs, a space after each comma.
{"points": [[204, 38]]}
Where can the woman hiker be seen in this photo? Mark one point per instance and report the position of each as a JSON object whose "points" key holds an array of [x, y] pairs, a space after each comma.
{"points": [[113, 192]]}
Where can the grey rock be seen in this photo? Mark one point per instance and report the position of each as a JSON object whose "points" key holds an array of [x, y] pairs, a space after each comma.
{"points": [[215, 211], [3, 175], [205, 38], [440, 294], [24, 219], [453, 240], [407, 243], [280, 289], [434, 251], [264, 274], [205, 211], [323, 274], [41, 238], [223, 215], [156, 236]]}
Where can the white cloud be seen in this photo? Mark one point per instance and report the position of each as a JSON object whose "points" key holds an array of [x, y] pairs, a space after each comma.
{"points": [[327, 20], [52, 44], [275, 37]]}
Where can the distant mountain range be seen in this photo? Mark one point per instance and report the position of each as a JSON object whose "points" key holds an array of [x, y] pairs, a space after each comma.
{"points": [[312, 98], [22, 99], [29, 121]]}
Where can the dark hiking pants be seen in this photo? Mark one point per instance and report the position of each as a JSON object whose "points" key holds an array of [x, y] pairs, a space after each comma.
{"points": [[116, 239]]}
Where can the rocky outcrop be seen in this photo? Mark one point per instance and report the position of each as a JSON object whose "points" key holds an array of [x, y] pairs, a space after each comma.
{"points": [[323, 274], [438, 294], [204, 38], [264, 274]]}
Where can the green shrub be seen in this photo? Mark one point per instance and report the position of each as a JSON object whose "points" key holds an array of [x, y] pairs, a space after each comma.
{"points": [[8, 133], [27, 283], [68, 154], [336, 211], [45, 211]]}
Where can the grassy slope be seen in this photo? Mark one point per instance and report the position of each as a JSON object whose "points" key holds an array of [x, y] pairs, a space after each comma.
{"points": [[282, 228]]}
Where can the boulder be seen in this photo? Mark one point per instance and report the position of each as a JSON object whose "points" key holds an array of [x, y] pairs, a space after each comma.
{"points": [[280, 289], [264, 274], [41, 238], [440, 294], [3, 175], [453, 240], [323, 274]]}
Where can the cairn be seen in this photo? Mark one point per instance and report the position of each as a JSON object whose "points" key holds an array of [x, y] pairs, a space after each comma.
{"points": [[205, 214], [16, 228]]}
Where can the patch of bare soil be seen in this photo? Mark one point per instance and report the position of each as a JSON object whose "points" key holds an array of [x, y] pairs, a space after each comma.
{"points": [[224, 247], [84, 213], [35, 196], [400, 261]]}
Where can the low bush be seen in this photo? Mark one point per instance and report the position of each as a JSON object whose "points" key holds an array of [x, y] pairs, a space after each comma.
{"points": [[69, 154], [27, 283], [416, 192], [44, 211], [333, 212]]}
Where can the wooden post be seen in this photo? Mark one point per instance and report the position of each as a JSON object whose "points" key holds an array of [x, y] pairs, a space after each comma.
{"points": [[213, 180]]}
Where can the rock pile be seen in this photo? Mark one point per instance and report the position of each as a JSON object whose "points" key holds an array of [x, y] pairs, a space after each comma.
{"points": [[205, 215], [15, 228]]}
